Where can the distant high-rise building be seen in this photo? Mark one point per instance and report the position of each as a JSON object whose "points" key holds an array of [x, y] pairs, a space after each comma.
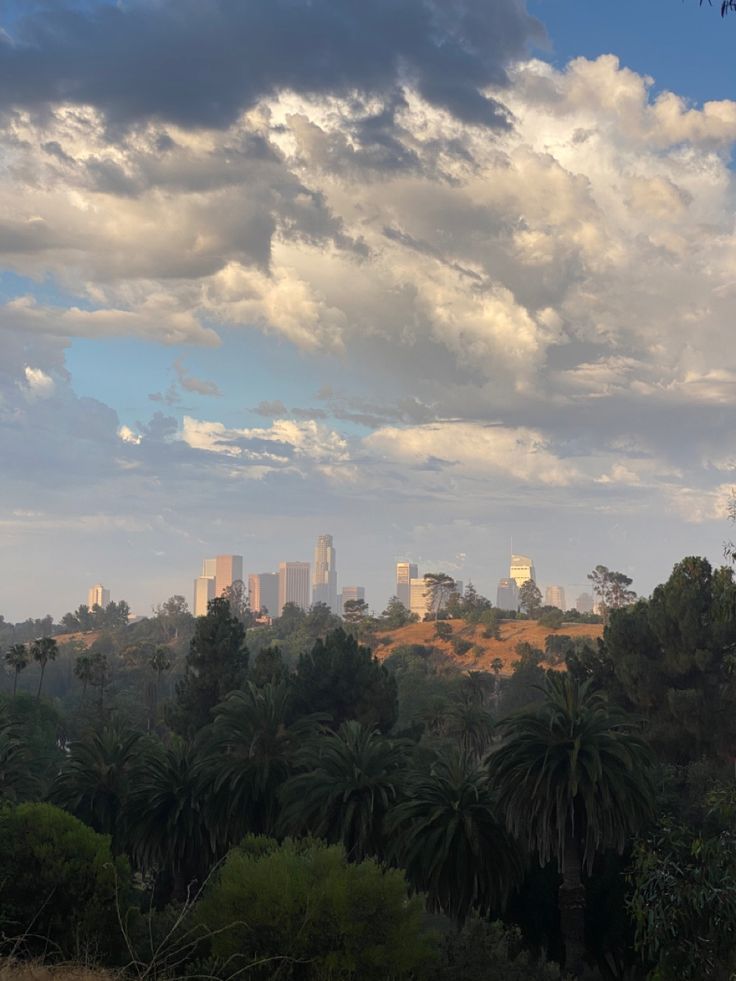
{"points": [[228, 569], [324, 582], [351, 593], [507, 595], [263, 592], [204, 591], [522, 570], [419, 601], [555, 596], [209, 568], [293, 585], [405, 572], [584, 603], [98, 596]]}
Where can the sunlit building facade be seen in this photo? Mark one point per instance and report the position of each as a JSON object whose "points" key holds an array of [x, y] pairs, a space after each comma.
{"points": [[98, 596], [405, 572], [555, 596], [324, 582], [522, 570], [294, 585]]}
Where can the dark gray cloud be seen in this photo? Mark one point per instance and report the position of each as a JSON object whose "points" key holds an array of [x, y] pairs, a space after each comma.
{"points": [[200, 62]]}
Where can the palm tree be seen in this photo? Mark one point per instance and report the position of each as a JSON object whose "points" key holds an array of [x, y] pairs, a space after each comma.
{"points": [[84, 671], [93, 780], [448, 837], [43, 650], [349, 781], [246, 754], [17, 781], [17, 658], [164, 817], [573, 777]]}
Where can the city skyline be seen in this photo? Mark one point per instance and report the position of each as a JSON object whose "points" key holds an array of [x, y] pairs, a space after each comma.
{"points": [[238, 307]]}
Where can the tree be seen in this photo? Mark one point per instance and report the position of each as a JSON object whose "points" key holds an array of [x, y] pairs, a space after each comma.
{"points": [[726, 6], [439, 588], [17, 658], [683, 902], [396, 615], [349, 779], [43, 650], [246, 755], [612, 590], [84, 670], [18, 781], [443, 629], [673, 657], [300, 910], [217, 663], [93, 780], [530, 598], [573, 777], [237, 596], [341, 679], [60, 884], [165, 816], [449, 838], [355, 611]]}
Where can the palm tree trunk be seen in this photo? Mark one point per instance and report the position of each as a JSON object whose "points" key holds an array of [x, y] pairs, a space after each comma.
{"points": [[40, 681], [572, 907], [15, 682]]}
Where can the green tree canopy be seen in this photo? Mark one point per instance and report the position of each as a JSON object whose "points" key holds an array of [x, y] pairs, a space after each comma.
{"points": [[349, 781], [573, 777], [217, 663], [341, 679], [301, 911], [59, 884]]}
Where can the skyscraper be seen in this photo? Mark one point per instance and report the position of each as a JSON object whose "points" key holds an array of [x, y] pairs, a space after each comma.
{"points": [[204, 591], [228, 569], [522, 570], [555, 596], [419, 601], [584, 603], [351, 593], [263, 592], [293, 585], [405, 572], [98, 596], [507, 595], [324, 583]]}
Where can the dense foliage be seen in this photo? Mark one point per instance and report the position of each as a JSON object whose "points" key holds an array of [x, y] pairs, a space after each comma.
{"points": [[407, 805]]}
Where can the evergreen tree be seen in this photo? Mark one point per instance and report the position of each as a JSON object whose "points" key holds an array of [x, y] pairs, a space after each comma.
{"points": [[217, 663]]}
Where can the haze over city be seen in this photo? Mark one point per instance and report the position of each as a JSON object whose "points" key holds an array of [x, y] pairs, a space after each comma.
{"points": [[429, 295]]}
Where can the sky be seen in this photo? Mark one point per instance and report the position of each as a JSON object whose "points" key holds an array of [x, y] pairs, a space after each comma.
{"points": [[438, 277]]}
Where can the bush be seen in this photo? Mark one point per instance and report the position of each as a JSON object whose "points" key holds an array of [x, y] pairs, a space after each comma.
{"points": [[482, 951], [443, 630], [461, 646], [302, 908], [59, 883], [551, 617]]}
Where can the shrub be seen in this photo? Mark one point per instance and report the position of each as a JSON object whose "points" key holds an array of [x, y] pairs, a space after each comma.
{"points": [[302, 908], [461, 646], [59, 883]]}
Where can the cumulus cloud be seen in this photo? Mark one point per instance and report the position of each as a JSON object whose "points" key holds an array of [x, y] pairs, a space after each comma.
{"points": [[39, 384]]}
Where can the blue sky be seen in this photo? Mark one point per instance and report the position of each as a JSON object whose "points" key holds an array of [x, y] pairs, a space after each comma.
{"points": [[382, 281]]}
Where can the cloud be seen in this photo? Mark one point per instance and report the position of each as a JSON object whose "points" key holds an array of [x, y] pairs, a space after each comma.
{"points": [[197, 385], [40, 385], [201, 62]]}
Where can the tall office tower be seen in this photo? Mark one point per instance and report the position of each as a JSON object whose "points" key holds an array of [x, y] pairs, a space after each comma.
{"points": [[522, 570], [293, 585], [324, 583], [98, 596], [228, 569], [263, 592], [405, 572], [351, 593], [209, 568], [204, 591], [419, 601], [555, 596], [584, 603], [507, 595]]}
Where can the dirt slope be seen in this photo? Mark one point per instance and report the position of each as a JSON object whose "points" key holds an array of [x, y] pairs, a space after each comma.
{"points": [[485, 651]]}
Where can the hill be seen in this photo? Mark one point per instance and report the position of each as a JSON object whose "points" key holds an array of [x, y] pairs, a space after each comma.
{"points": [[484, 650]]}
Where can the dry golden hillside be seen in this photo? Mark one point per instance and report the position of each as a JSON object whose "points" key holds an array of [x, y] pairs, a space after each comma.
{"points": [[513, 632]]}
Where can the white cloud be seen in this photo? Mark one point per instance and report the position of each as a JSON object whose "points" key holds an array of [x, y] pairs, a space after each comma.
{"points": [[39, 384]]}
